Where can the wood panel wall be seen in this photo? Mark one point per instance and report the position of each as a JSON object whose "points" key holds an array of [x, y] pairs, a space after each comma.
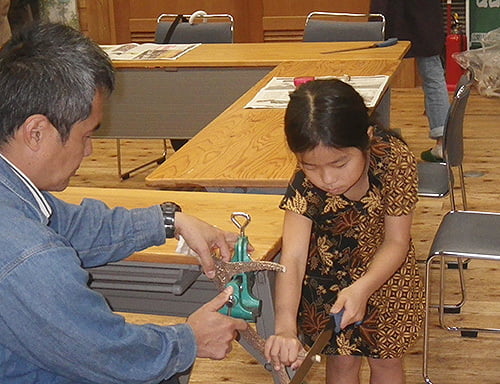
{"points": [[120, 21]]}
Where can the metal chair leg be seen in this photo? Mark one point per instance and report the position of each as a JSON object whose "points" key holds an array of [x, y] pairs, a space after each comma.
{"points": [[127, 174], [465, 262], [425, 355], [455, 308], [465, 331]]}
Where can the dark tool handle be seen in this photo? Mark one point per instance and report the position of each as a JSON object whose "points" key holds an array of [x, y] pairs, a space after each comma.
{"points": [[387, 43]]}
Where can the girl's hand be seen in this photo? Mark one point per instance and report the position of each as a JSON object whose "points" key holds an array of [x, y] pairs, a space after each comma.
{"points": [[283, 351], [353, 300]]}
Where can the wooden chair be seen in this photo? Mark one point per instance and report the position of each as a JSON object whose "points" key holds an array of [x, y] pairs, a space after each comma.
{"points": [[331, 26]]}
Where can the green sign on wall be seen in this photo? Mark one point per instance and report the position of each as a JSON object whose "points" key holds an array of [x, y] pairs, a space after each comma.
{"points": [[483, 16]]}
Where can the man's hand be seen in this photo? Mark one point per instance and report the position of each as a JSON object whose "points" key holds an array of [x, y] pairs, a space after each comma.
{"points": [[204, 238], [215, 332]]}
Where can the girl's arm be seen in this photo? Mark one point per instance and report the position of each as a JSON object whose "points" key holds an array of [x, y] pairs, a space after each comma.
{"points": [[282, 349], [387, 259]]}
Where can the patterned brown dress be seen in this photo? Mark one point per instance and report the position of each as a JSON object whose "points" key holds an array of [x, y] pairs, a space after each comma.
{"points": [[344, 238]]}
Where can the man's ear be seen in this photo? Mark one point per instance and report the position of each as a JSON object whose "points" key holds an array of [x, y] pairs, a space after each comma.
{"points": [[34, 130]]}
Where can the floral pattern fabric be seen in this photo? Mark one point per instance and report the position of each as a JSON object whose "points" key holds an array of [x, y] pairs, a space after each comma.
{"points": [[345, 235]]}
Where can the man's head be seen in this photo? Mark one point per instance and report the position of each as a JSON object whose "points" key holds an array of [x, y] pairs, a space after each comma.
{"points": [[52, 82], [52, 70]]}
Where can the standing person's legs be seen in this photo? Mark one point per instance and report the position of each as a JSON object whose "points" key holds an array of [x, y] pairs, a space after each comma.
{"points": [[343, 369], [384, 371], [437, 101]]}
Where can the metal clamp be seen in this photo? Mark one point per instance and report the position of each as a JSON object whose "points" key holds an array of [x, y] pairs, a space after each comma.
{"points": [[242, 303]]}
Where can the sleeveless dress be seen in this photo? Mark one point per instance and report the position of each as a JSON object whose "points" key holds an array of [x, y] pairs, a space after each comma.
{"points": [[345, 235]]}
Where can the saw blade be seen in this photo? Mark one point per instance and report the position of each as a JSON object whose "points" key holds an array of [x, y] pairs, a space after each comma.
{"points": [[318, 346]]}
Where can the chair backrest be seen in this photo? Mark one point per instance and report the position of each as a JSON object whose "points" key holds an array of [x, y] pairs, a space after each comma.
{"points": [[326, 26], [198, 27], [453, 136]]}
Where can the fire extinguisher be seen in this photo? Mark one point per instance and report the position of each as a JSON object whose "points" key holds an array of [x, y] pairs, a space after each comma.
{"points": [[455, 42]]}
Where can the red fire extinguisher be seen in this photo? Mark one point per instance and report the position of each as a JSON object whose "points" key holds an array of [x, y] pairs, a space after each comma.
{"points": [[455, 42]]}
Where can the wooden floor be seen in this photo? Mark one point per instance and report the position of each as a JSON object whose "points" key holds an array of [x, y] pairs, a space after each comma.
{"points": [[453, 359]]}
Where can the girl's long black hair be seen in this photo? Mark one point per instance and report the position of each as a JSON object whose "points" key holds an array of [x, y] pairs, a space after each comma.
{"points": [[328, 112]]}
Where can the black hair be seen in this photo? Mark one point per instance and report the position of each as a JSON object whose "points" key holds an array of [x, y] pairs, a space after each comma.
{"points": [[328, 112], [53, 70]]}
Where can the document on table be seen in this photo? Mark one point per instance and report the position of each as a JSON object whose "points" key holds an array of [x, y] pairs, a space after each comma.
{"points": [[275, 93], [147, 51]]}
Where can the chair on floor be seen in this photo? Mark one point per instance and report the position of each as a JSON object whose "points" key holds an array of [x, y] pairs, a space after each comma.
{"points": [[437, 179], [199, 27], [465, 235], [332, 26], [462, 235]]}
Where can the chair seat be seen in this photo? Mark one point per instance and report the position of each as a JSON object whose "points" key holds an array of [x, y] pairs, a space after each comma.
{"points": [[468, 234], [432, 179]]}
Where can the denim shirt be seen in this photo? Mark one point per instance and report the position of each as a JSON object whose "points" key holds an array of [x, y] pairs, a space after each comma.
{"points": [[53, 327]]}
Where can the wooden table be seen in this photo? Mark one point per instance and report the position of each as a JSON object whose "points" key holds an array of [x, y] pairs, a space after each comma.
{"points": [[177, 98], [270, 54], [157, 279], [160, 281], [246, 148]]}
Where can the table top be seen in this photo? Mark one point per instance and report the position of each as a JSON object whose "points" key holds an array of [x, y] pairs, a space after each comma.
{"points": [[264, 230], [270, 54], [247, 147]]}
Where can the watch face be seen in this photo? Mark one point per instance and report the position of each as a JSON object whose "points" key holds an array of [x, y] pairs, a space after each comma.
{"points": [[171, 206]]}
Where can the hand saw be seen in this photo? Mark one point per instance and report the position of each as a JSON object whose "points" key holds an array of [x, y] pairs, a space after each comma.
{"points": [[333, 326]]}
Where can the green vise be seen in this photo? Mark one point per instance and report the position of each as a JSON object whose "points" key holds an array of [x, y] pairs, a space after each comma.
{"points": [[242, 304]]}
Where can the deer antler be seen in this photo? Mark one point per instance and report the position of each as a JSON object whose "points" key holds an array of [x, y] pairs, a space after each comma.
{"points": [[224, 272]]}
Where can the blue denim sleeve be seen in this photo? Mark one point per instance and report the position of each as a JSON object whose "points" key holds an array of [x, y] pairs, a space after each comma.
{"points": [[52, 322], [100, 234]]}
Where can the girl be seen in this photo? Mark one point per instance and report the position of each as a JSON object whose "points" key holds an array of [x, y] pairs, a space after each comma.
{"points": [[346, 239]]}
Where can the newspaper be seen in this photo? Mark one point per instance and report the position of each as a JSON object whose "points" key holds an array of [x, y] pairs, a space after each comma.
{"points": [[147, 51], [275, 93]]}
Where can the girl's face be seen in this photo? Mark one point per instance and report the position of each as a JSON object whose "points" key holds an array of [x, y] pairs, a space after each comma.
{"points": [[336, 170]]}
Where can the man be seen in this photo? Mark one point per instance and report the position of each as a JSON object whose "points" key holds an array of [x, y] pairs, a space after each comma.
{"points": [[421, 22], [53, 328]]}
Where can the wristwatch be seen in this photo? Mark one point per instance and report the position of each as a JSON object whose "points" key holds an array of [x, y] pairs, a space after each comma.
{"points": [[168, 210]]}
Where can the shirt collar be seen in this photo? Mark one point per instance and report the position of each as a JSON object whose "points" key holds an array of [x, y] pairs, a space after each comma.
{"points": [[45, 208]]}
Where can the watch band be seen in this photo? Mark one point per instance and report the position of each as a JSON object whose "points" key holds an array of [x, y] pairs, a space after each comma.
{"points": [[168, 210]]}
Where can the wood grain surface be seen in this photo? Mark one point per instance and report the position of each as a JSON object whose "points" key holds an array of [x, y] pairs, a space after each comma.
{"points": [[266, 54], [247, 147], [264, 230]]}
